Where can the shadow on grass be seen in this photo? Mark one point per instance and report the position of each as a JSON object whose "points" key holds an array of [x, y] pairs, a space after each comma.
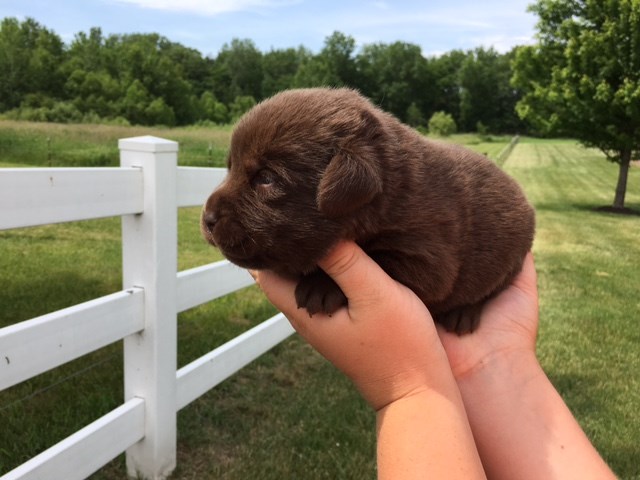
{"points": [[617, 210], [590, 208]]}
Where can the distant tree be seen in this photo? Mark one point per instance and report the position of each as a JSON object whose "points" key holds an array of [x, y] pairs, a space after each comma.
{"points": [[239, 64], [127, 75], [395, 76], [338, 55], [135, 103], [159, 113], [443, 124], [582, 79], [146, 58], [483, 131], [29, 59], [241, 105], [147, 79], [314, 72], [446, 73], [415, 118], [194, 68], [213, 110], [485, 92], [279, 69], [334, 66]]}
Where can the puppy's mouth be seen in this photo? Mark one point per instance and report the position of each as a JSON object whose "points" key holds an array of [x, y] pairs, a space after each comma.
{"points": [[244, 254], [234, 243]]}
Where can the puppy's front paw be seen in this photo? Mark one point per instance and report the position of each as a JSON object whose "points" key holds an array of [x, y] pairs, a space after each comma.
{"points": [[317, 292]]}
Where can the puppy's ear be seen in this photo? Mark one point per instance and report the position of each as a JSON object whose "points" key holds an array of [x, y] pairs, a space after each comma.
{"points": [[353, 177]]}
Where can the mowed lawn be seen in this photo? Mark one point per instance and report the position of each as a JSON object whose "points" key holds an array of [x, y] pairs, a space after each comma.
{"points": [[290, 414], [589, 278]]}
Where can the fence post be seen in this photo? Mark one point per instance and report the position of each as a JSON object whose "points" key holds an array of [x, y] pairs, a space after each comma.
{"points": [[149, 255]]}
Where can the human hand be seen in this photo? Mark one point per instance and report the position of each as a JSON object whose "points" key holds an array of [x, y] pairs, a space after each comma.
{"points": [[384, 340], [508, 326]]}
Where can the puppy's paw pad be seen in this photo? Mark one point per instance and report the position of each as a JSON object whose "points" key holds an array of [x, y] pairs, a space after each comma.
{"points": [[318, 293]]}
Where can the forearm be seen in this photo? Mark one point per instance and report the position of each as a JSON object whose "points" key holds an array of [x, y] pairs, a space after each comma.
{"points": [[426, 435], [522, 427]]}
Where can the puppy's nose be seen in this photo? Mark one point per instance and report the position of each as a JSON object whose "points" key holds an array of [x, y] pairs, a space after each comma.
{"points": [[210, 219]]}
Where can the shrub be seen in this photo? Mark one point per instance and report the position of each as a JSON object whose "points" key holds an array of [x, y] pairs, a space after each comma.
{"points": [[483, 132], [443, 124]]}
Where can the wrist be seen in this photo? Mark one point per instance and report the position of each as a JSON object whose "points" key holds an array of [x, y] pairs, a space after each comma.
{"points": [[407, 387], [500, 373]]}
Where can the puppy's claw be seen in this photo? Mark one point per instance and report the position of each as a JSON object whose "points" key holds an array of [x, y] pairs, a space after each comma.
{"points": [[461, 320], [318, 293]]}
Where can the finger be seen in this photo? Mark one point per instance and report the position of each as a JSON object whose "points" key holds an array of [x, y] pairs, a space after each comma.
{"points": [[279, 290], [527, 279], [357, 275]]}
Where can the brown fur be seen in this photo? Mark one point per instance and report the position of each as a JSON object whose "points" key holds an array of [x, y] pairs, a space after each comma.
{"points": [[309, 167]]}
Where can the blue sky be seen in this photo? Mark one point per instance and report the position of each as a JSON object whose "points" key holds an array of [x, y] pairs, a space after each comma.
{"points": [[437, 26]]}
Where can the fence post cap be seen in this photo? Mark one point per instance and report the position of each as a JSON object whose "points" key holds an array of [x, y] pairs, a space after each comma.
{"points": [[147, 143]]}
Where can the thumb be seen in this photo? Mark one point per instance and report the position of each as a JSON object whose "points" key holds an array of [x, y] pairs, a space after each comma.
{"points": [[357, 275]]}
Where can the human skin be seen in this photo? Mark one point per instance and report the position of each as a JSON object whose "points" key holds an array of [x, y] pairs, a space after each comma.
{"points": [[522, 427], [384, 341], [387, 344]]}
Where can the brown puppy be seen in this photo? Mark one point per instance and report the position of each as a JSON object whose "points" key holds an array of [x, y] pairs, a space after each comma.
{"points": [[310, 167]]}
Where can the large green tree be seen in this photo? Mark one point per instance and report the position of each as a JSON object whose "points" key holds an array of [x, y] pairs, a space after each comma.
{"points": [[485, 93], [280, 67], [238, 71], [397, 77], [29, 56], [582, 79], [334, 66], [446, 71]]}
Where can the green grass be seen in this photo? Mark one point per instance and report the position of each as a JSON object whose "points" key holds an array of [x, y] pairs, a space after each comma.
{"points": [[490, 146], [290, 414], [61, 145], [589, 280]]}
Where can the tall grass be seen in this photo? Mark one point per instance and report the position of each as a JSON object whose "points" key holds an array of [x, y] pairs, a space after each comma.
{"points": [[290, 414], [61, 145]]}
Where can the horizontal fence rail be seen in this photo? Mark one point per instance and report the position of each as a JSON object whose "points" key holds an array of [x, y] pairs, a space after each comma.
{"points": [[38, 196], [35, 346], [221, 278], [96, 444], [201, 375], [146, 192], [195, 184]]}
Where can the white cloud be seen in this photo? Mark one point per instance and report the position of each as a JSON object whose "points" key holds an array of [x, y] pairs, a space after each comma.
{"points": [[503, 43], [381, 5], [424, 19], [208, 7]]}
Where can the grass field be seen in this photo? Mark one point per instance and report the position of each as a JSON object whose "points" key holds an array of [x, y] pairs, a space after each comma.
{"points": [[62, 145], [290, 414]]}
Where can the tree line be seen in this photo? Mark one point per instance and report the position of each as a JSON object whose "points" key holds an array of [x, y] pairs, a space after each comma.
{"points": [[581, 79], [147, 79]]}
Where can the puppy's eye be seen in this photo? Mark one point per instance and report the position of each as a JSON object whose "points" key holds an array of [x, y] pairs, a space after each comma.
{"points": [[263, 178]]}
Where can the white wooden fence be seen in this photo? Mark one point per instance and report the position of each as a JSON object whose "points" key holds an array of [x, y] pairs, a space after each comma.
{"points": [[146, 191]]}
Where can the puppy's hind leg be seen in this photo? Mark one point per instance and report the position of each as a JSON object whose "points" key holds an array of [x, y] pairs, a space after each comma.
{"points": [[460, 320], [318, 293]]}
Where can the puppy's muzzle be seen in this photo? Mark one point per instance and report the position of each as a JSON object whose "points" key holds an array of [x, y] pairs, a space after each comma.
{"points": [[209, 221]]}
